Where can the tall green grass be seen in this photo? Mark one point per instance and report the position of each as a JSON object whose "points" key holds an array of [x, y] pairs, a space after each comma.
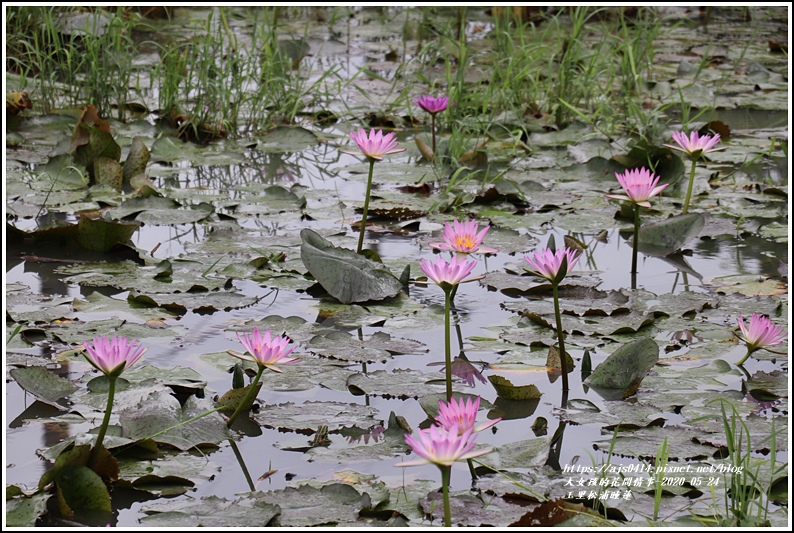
{"points": [[68, 64]]}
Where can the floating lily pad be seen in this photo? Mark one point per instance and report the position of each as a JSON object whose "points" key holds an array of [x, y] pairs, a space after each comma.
{"points": [[644, 444], [287, 139], [346, 275], [364, 446], [397, 383], [24, 511], [250, 510], [160, 417], [335, 504], [523, 453], [468, 510], [307, 417], [378, 348]]}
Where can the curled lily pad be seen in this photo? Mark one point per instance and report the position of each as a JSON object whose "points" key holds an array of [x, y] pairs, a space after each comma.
{"points": [[100, 235], [623, 371], [346, 275], [666, 236], [136, 160], [43, 384], [505, 389]]}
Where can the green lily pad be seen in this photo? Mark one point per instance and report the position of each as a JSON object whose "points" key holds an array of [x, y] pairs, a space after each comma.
{"points": [[307, 417], [335, 504], [666, 236], [346, 275], [137, 159], [644, 444], [378, 348], [508, 391], [82, 490], [43, 384], [469, 510], [100, 144], [523, 453], [100, 235], [96, 302], [176, 377], [376, 443], [287, 139], [249, 510], [397, 383], [24, 511], [623, 371], [108, 172], [160, 417]]}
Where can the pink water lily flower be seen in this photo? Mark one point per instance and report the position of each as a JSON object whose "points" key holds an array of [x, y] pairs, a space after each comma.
{"points": [[761, 332], [639, 185], [265, 351], [695, 145], [375, 145], [548, 264], [450, 273], [431, 104], [112, 356], [463, 237], [441, 446], [462, 415]]}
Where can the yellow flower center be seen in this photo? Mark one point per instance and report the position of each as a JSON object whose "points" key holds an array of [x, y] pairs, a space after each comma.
{"points": [[464, 242]]}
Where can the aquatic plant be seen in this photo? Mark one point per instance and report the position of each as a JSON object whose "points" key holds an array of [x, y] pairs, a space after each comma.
{"points": [[640, 185], [695, 146], [266, 352], [759, 334], [443, 447], [448, 276], [554, 266], [111, 356], [373, 146], [463, 237], [433, 105]]}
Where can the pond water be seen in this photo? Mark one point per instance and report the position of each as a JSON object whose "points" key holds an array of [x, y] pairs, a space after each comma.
{"points": [[738, 262]]}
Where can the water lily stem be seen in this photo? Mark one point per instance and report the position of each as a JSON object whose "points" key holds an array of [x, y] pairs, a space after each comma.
{"points": [[366, 207], [749, 351], [636, 238], [445, 475], [560, 333], [106, 420], [433, 131], [689, 187], [447, 341], [239, 457], [247, 399], [471, 470]]}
